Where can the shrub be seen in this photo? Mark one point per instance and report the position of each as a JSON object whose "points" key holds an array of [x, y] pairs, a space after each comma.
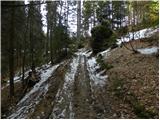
{"points": [[102, 64], [102, 37]]}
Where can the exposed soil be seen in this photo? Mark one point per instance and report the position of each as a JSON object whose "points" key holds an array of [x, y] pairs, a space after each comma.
{"points": [[82, 92], [44, 108]]}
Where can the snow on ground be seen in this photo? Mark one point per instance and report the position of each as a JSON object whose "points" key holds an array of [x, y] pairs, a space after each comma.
{"points": [[144, 33], [28, 102], [18, 76], [84, 51], [64, 96], [92, 67], [148, 50], [104, 53], [63, 107], [44, 76]]}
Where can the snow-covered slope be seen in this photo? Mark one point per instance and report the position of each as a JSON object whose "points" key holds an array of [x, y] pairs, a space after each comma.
{"points": [[18, 77], [28, 102], [144, 33]]}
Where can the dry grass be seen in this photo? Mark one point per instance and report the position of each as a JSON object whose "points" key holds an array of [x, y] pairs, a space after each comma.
{"points": [[139, 89]]}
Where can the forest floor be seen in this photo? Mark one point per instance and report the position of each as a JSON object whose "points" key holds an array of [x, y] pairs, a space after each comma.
{"points": [[70, 91], [133, 82], [78, 88]]}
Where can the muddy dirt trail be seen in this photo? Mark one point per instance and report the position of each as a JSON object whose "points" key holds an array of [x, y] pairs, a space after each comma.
{"points": [[66, 90], [82, 92]]}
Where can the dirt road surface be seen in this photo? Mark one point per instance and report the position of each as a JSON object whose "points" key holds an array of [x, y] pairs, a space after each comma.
{"points": [[71, 91]]}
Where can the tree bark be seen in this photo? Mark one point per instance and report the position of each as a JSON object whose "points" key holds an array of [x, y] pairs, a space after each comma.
{"points": [[79, 20], [31, 37], [24, 52], [47, 40], [11, 52], [51, 46]]}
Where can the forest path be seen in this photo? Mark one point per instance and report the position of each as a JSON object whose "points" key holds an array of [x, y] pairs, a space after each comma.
{"points": [[82, 92], [70, 92]]}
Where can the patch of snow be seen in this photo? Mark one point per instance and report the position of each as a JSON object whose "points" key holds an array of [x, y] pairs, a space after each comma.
{"points": [[104, 53], [64, 94], [92, 62], [101, 77], [32, 98], [144, 33], [97, 78], [18, 76], [103, 71], [71, 115], [84, 51], [44, 77], [62, 115], [88, 54], [152, 31], [148, 50], [73, 69]]}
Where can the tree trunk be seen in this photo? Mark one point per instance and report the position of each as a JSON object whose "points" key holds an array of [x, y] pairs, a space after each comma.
{"points": [[11, 52], [24, 53], [47, 40], [51, 46], [79, 20], [67, 14], [133, 34], [31, 36], [60, 14]]}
